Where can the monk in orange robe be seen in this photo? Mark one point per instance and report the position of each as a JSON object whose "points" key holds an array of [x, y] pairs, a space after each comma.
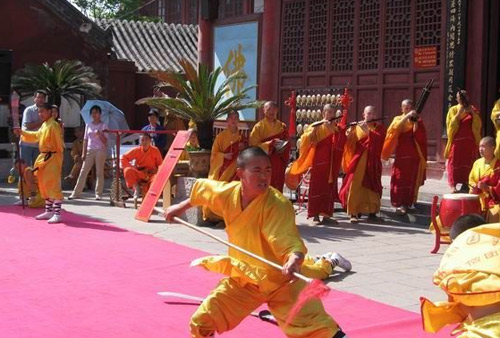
{"points": [[147, 161], [463, 127], [407, 137], [225, 150], [362, 186], [321, 149], [272, 136]]}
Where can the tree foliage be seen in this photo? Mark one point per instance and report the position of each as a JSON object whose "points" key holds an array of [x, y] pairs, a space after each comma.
{"points": [[111, 9], [69, 79]]}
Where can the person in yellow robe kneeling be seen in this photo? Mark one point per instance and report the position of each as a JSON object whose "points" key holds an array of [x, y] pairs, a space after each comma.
{"points": [[261, 220], [29, 190]]}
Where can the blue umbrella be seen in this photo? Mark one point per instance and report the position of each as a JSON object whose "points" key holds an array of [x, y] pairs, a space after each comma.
{"points": [[112, 116]]}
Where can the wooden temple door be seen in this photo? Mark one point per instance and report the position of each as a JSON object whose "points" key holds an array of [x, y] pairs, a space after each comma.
{"points": [[386, 50]]}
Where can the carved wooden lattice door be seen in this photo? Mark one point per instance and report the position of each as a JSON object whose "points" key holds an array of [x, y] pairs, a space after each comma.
{"points": [[386, 49]]}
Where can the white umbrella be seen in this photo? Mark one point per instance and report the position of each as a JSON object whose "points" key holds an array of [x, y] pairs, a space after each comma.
{"points": [[112, 116]]}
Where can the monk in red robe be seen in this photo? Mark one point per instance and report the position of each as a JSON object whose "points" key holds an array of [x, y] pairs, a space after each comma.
{"points": [[321, 149], [271, 135], [463, 127], [362, 186], [407, 137]]}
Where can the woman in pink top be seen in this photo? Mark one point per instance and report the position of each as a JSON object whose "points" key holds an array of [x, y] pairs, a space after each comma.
{"points": [[95, 146]]}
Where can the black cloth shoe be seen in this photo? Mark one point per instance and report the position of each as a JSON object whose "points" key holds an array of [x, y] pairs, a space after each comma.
{"points": [[340, 334]]}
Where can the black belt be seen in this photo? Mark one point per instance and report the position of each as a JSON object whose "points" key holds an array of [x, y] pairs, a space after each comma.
{"points": [[48, 155]]}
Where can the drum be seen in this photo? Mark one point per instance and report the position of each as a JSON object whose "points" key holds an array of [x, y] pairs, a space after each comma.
{"points": [[291, 181], [455, 205]]}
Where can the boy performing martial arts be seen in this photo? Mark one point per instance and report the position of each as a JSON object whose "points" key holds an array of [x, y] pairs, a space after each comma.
{"points": [[261, 220], [48, 164]]}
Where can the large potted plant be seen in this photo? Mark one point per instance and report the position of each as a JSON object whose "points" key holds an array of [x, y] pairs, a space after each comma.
{"points": [[69, 79], [199, 97]]}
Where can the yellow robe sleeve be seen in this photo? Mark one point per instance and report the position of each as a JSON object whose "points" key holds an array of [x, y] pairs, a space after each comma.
{"points": [[56, 137], [210, 193], [479, 171], [476, 126], [349, 148], [281, 231], [48, 136], [391, 137], [452, 125], [30, 136], [308, 141], [474, 175], [257, 134], [217, 155], [495, 112]]}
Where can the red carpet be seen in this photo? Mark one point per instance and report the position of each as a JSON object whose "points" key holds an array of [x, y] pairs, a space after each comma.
{"points": [[85, 279]]}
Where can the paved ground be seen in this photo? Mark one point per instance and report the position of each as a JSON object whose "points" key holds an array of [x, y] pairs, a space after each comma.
{"points": [[391, 260]]}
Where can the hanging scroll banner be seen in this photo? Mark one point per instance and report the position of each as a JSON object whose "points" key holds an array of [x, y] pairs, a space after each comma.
{"points": [[455, 52]]}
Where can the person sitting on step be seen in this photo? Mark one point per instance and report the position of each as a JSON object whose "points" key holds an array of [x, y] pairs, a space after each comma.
{"points": [[140, 165]]}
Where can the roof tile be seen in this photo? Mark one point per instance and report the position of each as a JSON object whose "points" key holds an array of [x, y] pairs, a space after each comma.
{"points": [[153, 46]]}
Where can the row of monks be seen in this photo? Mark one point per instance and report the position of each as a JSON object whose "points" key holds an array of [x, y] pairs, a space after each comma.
{"points": [[357, 149]]}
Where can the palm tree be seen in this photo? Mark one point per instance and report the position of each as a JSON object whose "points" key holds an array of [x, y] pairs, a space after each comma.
{"points": [[198, 97], [69, 79]]}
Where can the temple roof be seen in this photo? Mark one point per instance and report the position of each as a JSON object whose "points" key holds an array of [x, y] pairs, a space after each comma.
{"points": [[153, 45]]}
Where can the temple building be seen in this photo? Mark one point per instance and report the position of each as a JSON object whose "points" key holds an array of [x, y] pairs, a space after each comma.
{"points": [[384, 50]]}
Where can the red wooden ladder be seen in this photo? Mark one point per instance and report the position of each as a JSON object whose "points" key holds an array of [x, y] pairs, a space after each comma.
{"points": [[161, 178]]}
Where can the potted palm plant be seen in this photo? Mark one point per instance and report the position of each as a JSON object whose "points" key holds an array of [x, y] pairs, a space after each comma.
{"points": [[69, 79], [199, 98]]}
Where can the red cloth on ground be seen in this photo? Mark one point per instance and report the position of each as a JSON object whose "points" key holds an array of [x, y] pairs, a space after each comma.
{"points": [[86, 278]]}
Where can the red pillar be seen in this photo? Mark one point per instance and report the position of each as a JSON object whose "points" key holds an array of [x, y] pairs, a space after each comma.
{"points": [[205, 42], [269, 64]]}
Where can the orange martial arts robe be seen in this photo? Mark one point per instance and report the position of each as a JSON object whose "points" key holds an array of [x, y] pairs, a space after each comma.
{"points": [[409, 141], [267, 228], [145, 167], [469, 273], [488, 173], [263, 135], [321, 150], [495, 113], [462, 146], [48, 164], [222, 169], [362, 185]]}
